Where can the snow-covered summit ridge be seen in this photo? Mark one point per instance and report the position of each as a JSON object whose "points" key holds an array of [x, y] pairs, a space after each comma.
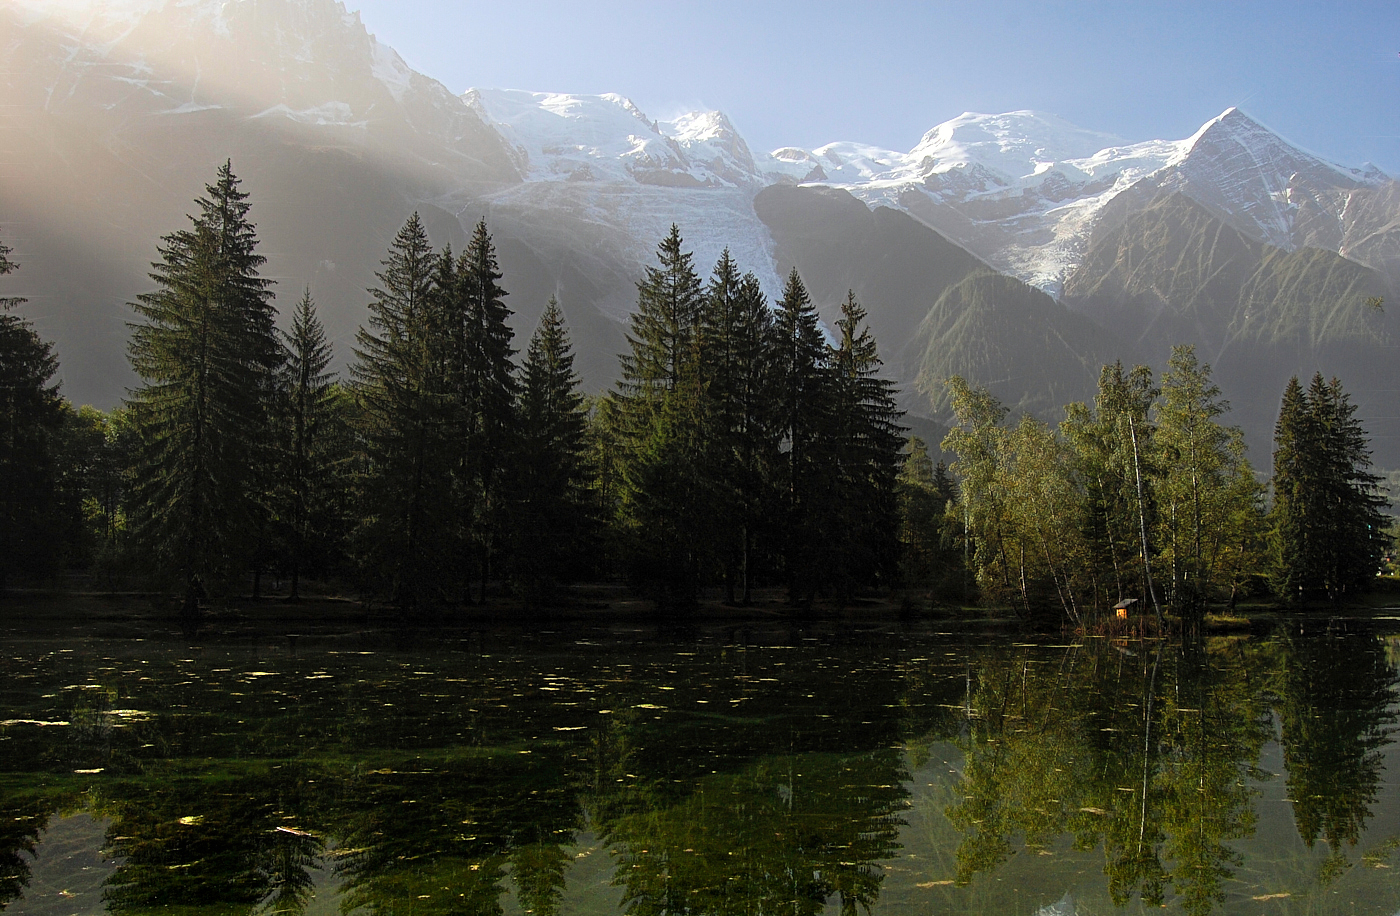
{"points": [[562, 137], [1024, 190]]}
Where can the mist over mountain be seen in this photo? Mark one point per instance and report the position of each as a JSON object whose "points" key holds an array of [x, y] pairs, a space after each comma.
{"points": [[1016, 249]]}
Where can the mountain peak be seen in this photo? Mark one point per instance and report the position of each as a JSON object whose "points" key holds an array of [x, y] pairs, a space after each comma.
{"points": [[607, 138], [1012, 146]]}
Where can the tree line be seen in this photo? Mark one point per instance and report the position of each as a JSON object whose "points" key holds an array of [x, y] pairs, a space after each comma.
{"points": [[744, 446], [1147, 495], [740, 448]]}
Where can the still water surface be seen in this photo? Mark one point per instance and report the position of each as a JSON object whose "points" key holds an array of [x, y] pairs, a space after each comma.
{"points": [[747, 770]]}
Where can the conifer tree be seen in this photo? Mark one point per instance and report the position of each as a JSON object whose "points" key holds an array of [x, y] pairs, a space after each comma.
{"points": [[869, 441], [550, 516], [400, 389], [659, 402], [1296, 510], [663, 328], [486, 390], [31, 416], [207, 354], [310, 411], [1327, 519], [734, 330], [802, 387]]}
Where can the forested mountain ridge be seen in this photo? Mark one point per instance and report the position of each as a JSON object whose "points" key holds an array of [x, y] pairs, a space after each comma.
{"points": [[121, 108]]}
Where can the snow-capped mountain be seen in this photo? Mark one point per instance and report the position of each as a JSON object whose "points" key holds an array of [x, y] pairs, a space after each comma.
{"points": [[598, 171], [117, 112], [558, 137], [1025, 190], [1264, 186], [1022, 190]]}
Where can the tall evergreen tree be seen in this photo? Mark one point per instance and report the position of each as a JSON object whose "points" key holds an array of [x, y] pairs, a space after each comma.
{"points": [[31, 417], [400, 387], [551, 516], [310, 407], [735, 327], [207, 354], [1327, 518], [869, 440], [802, 388], [486, 390], [660, 409], [663, 327]]}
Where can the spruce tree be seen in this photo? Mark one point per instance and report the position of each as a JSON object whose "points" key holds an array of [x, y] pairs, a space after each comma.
{"points": [[401, 393], [660, 411], [662, 328], [550, 515], [31, 417], [1327, 521], [869, 442], [802, 387], [735, 325], [207, 353], [310, 410], [486, 390], [1357, 513]]}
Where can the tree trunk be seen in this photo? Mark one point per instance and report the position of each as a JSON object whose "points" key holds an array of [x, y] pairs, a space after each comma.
{"points": [[1142, 522]]}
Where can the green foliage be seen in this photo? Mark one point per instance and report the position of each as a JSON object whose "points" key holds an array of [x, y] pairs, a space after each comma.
{"points": [[740, 440], [311, 483], [483, 390], [207, 354], [404, 413], [803, 389], [979, 441], [1209, 505], [868, 442], [929, 525], [31, 426], [1327, 523], [552, 515], [665, 497], [436, 391], [1143, 484]]}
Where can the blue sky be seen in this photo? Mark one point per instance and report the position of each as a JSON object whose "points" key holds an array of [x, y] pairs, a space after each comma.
{"points": [[1325, 75]]}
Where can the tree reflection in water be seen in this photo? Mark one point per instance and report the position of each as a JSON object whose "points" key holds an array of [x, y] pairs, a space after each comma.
{"points": [[1336, 709], [1149, 753], [790, 798], [23, 820], [785, 834]]}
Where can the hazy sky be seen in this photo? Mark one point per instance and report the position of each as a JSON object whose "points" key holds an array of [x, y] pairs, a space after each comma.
{"points": [[1325, 75]]}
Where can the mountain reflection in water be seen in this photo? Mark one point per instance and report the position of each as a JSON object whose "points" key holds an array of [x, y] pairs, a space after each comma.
{"points": [[837, 773]]}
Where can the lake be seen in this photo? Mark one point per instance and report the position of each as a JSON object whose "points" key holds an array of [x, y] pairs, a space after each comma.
{"points": [[753, 768]]}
